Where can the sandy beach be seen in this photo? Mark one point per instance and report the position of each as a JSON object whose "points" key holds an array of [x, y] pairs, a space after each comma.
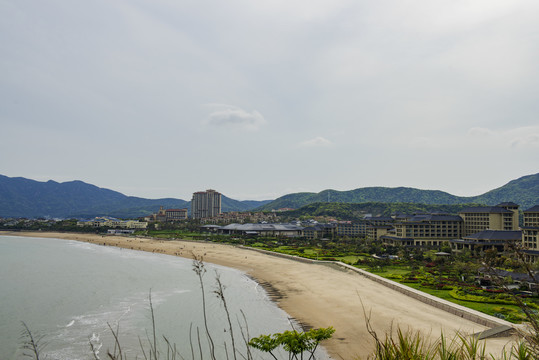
{"points": [[316, 295]]}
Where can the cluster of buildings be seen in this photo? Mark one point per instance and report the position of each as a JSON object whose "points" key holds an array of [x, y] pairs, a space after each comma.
{"points": [[206, 207], [474, 228], [110, 222], [165, 215]]}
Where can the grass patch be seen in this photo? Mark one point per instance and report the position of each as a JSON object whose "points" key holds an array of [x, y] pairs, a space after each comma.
{"points": [[508, 312]]}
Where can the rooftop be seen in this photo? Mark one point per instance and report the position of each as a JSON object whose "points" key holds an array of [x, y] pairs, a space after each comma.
{"points": [[434, 217], [486, 209], [496, 235]]}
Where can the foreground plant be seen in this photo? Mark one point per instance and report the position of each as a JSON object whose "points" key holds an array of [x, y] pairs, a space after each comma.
{"points": [[294, 342], [32, 346], [409, 345]]}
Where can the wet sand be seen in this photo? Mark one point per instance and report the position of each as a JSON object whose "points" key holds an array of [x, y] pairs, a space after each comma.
{"points": [[316, 295]]}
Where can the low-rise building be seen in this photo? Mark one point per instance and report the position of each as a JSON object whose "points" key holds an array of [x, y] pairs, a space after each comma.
{"points": [[285, 230], [498, 240], [176, 214], [164, 215], [111, 222]]}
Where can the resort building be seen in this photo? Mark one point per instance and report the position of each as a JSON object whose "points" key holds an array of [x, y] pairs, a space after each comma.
{"points": [[319, 231], [205, 204], [175, 214], [425, 230], [503, 216], [378, 226], [499, 240], [242, 217], [286, 230], [530, 233], [376, 232], [352, 229], [113, 223], [164, 215]]}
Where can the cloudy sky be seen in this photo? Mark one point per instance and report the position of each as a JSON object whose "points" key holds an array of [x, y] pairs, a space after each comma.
{"points": [[257, 99]]}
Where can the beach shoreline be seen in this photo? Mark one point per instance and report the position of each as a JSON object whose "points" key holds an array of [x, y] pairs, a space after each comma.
{"points": [[313, 294]]}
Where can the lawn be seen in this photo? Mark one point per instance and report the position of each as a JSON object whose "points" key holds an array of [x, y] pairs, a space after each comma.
{"points": [[508, 312]]}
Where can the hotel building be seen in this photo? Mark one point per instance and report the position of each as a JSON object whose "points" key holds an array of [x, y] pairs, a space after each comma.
{"points": [[503, 216], [425, 230], [205, 204], [530, 228]]}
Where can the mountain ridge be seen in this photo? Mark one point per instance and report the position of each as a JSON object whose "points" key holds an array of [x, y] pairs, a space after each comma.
{"points": [[523, 191], [22, 197]]}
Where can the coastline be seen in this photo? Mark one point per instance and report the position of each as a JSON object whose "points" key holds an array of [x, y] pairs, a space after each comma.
{"points": [[314, 294]]}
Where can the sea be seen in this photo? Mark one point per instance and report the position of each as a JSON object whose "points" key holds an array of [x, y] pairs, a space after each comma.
{"points": [[77, 297]]}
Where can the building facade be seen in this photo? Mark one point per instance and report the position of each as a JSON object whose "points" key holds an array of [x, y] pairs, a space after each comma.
{"points": [[503, 216], [498, 240], [530, 228], [164, 215], [175, 214], [205, 204], [425, 230], [352, 229]]}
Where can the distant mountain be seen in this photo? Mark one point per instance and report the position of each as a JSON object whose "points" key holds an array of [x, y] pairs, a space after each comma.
{"points": [[228, 204], [523, 191], [20, 197]]}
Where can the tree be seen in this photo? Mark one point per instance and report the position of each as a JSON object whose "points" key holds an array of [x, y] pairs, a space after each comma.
{"points": [[294, 342]]}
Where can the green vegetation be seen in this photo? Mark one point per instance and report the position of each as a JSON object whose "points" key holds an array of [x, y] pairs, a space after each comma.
{"points": [[26, 198], [349, 211], [294, 342], [523, 191], [408, 345], [455, 281]]}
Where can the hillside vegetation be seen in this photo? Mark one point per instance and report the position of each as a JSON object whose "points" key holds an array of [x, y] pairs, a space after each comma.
{"points": [[344, 211], [523, 191]]}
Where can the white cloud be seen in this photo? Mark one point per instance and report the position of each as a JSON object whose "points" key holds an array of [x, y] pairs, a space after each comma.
{"points": [[528, 140], [520, 137], [318, 141], [233, 117], [479, 132]]}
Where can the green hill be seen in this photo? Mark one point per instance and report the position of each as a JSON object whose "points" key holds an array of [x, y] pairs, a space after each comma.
{"points": [[356, 211], [523, 191]]}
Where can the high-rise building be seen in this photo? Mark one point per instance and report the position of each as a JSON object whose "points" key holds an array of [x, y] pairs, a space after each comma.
{"points": [[205, 204]]}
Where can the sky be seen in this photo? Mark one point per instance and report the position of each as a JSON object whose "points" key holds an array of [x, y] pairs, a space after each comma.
{"points": [[258, 99]]}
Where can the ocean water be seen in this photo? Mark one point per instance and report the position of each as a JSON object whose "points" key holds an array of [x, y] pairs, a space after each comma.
{"points": [[72, 294]]}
